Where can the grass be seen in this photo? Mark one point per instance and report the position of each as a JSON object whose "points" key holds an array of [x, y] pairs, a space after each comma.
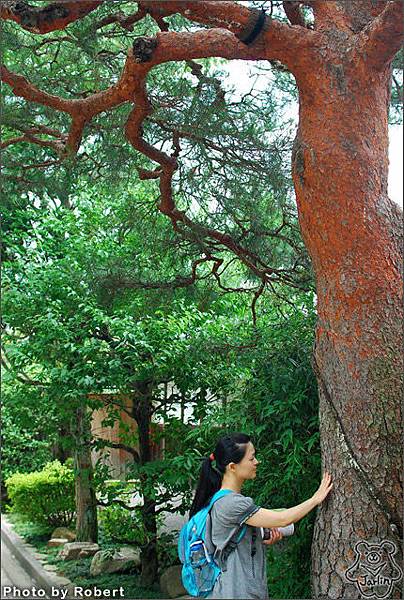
{"points": [[78, 571]]}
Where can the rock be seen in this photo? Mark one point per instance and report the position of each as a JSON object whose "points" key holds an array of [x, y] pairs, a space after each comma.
{"points": [[40, 556], [57, 542], [64, 533], [120, 561], [73, 550], [59, 581], [131, 552], [171, 583], [50, 568]]}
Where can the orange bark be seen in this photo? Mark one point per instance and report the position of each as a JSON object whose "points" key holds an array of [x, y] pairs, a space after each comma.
{"points": [[53, 16], [353, 234]]}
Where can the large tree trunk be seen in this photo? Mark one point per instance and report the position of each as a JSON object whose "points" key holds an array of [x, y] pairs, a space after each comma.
{"points": [[86, 502], [352, 231], [142, 412]]}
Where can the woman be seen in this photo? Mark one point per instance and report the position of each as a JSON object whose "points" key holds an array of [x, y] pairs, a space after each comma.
{"points": [[243, 569]]}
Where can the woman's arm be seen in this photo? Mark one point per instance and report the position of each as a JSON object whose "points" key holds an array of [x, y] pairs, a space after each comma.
{"points": [[271, 518]]}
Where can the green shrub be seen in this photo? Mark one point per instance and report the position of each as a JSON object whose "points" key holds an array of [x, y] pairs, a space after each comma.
{"points": [[119, 525], [45, 496], [167, 551]]}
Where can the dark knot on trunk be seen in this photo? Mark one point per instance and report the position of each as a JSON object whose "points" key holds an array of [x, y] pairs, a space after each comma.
{"points": [[143, 48]]}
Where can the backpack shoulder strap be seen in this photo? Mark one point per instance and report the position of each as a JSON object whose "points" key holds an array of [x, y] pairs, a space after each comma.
{"points": [[217, 496], [238, 532]]}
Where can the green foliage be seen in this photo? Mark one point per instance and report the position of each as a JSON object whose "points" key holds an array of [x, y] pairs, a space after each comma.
{"points": [[30, 427], [120, 525], [79, 572], [167, 551], [276, 403], [37, 534], [45, 496]]}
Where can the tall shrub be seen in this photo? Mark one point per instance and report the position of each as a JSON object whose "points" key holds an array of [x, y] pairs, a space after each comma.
{"points": [[45, 496]]}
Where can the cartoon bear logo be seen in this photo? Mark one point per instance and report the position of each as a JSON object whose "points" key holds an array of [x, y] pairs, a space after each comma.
{"points": [[374, 571]]}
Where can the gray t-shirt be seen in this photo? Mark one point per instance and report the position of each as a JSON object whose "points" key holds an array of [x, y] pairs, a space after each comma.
{"points": [[244, 569]]}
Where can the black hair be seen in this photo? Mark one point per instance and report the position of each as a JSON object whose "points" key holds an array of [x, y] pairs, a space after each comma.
{"points": [[229, 448]]}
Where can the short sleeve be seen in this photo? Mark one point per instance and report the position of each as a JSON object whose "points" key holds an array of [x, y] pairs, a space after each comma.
{"points": [[235, 509]]}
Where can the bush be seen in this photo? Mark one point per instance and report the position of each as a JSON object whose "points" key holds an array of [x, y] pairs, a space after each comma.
{"points": [[167, 551], [45, 496], [119, 525]]}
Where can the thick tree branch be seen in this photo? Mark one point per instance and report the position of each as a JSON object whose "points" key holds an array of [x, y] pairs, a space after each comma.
{"points": [[81, 110], [327, 16], [22, 87], [148, 52], [228, 15], [53, 16], [382, 39], [125, 21], [278, 41]]}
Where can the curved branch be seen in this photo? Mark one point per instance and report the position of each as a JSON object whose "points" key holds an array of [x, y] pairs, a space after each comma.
{"points": [[118, 446], [149, 52], [125, 21], [278, 41], [168, 164], [178, 282], [382, 39], [228, 15], [53, 16], [128, 449], [21, 377], [81, 110], [28, 136], [22, 87]]}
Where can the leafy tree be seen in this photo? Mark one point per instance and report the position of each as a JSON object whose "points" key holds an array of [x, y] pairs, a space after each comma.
{"points": [[79, 340]]}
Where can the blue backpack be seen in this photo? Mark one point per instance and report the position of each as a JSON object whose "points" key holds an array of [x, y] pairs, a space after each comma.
{"points": [[199, 570]]}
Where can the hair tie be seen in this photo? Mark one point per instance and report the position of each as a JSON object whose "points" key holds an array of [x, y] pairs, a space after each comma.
{"points": [[212, 457]]}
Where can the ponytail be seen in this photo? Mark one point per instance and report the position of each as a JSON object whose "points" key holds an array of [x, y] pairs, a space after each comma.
{"points": [[230, 448]]}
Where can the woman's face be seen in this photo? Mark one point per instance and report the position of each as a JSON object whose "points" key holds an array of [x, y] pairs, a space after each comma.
{"points": [[247, 467]]}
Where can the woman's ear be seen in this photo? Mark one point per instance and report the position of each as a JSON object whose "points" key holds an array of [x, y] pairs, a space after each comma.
{"points": [[231, 466]]}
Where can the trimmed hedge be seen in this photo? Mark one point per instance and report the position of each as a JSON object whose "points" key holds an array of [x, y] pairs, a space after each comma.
{"points": [[45, 496]]}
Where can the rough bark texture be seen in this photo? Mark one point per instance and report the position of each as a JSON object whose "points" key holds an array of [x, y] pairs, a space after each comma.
{"points": [[86, 502], [353, 233], [53, 16]]}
